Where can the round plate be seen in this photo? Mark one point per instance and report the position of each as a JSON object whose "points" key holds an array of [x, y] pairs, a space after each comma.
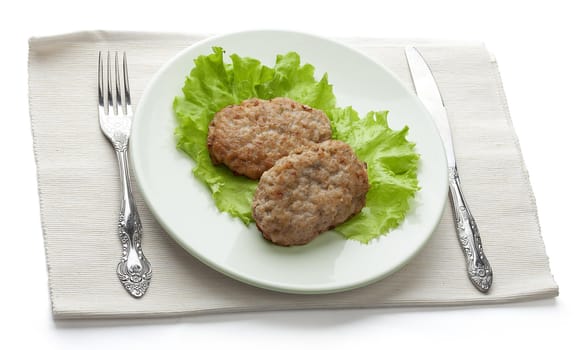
{"points": [[185, 209]]}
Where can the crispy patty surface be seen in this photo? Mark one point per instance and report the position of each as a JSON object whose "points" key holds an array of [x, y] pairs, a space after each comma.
{"points": [[308, 192], [250, 137]]}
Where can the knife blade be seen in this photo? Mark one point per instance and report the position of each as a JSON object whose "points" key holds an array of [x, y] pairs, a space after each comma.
{"points": [[478, 267]]}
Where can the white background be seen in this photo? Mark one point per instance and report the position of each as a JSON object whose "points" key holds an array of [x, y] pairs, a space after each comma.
{"points": [[536, 46]]}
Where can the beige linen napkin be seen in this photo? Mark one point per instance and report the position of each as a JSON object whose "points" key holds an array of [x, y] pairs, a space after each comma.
{"points": [[79, 192]]}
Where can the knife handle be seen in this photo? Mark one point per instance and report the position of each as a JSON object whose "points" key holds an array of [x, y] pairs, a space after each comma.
{"points": [[478, 268]]}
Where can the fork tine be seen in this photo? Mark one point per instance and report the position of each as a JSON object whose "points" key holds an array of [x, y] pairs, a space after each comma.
{"points": [[118, 100], [126, 83], [100, 81], [111, 108]]}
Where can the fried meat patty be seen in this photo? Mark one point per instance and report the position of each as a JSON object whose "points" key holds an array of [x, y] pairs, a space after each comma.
{"points": [[250, 137], [308, 192]]}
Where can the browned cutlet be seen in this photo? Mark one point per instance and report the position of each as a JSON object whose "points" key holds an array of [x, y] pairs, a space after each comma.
{"points": [[250, 137], [309, 192]]}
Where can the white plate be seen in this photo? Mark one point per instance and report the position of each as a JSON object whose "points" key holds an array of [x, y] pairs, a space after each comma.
{"points": [[183, 205]]}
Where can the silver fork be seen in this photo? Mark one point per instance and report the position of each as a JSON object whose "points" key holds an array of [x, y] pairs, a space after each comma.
{"points": [[115, 115]]}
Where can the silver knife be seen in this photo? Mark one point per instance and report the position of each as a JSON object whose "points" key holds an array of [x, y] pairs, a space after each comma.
{"points": [[478, 268]]}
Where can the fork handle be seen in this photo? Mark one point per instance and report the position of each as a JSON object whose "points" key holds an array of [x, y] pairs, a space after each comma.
{"points": [[134, 270], [478, 267]]}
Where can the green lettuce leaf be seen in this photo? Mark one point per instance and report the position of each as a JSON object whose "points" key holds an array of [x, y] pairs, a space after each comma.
{"points": [[214, 84], [392, 169]]}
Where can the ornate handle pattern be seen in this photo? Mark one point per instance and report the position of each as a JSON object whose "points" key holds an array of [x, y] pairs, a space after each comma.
{"points": [[478, 268], [134, 270]]}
